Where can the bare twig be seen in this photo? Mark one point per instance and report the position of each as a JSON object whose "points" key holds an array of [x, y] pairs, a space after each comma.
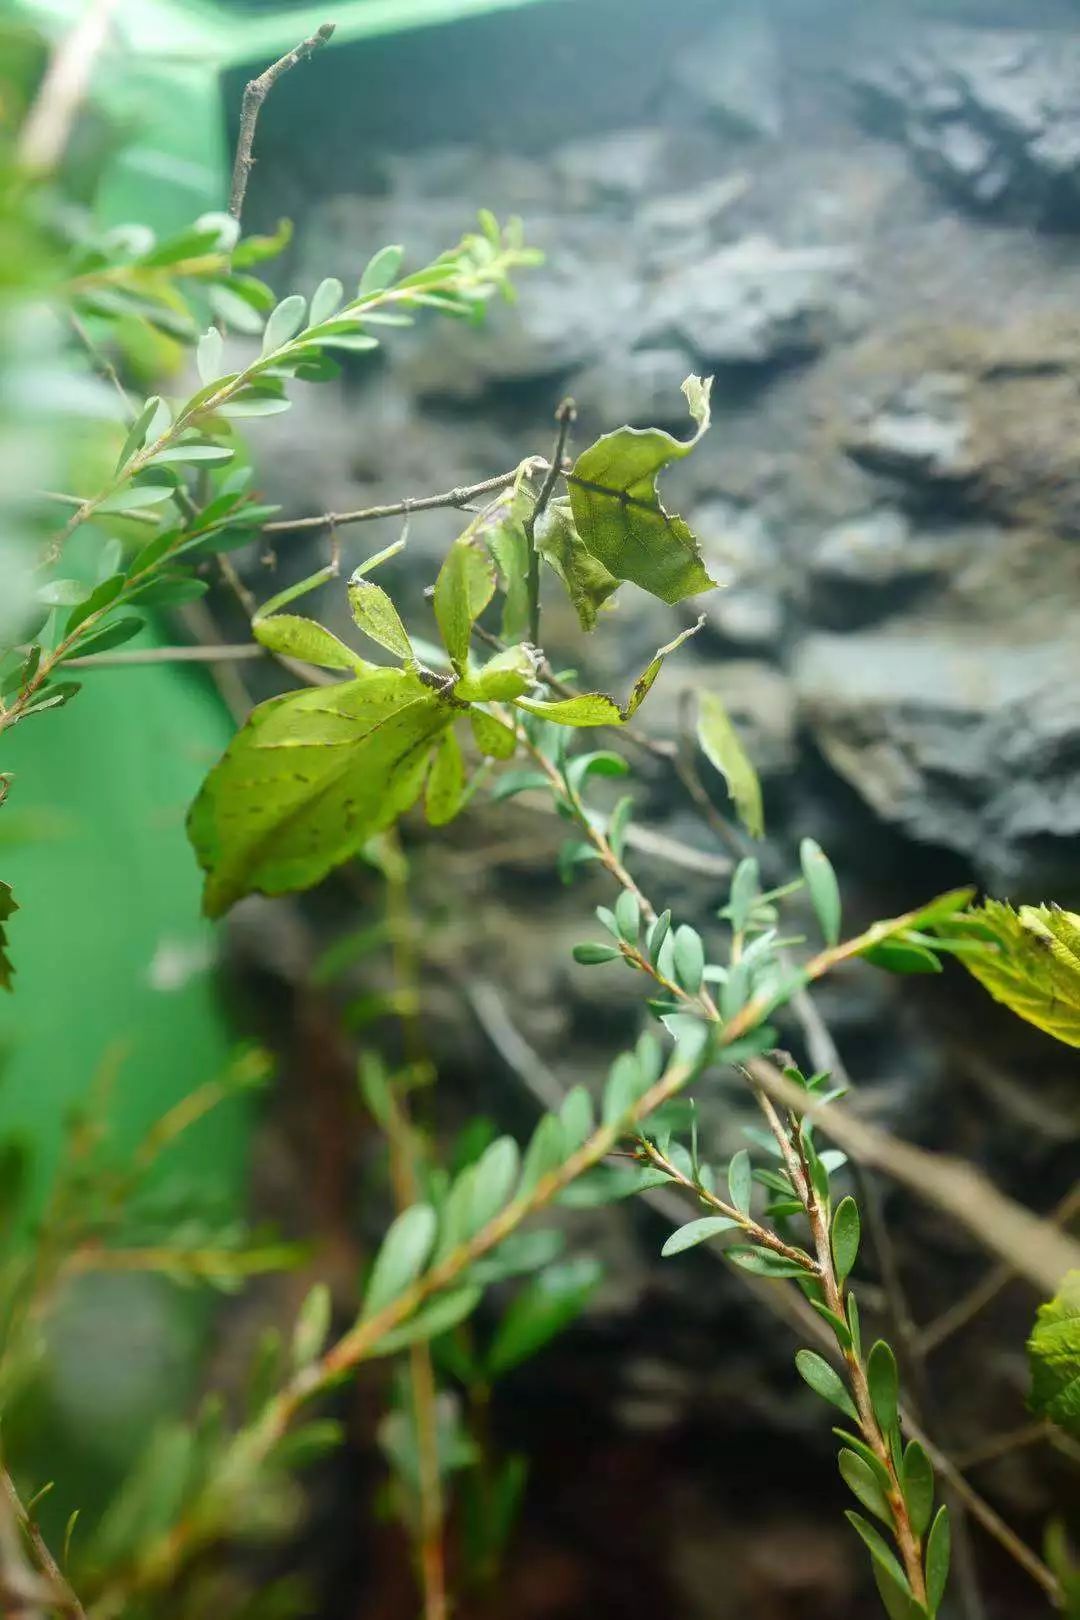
{"points": [[48, 124], [566, 415], [965, 1309], [201, 654], [460, 497], [255, 93]]}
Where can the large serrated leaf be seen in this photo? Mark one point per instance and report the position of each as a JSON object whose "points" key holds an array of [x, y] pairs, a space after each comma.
{"points": [[1034, 969], [1054, 1354], [309, 778], [588, 583], [618, 512]]}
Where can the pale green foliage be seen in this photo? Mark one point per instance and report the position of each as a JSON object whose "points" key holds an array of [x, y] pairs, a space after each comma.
{"points": [[1031, 963], [722, 747]]}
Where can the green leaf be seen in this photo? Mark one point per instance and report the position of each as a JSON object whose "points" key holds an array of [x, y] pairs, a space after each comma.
{"points": [[312, 1326], [823, 888], [168, 590], [576, 1117], [136, 497], [381, 271], [253, 402], [63, 592], [588, 583], [846, 1229], [897, 1600], [628, 916], [1034, 965], [113, 634], [8, 906], [899, 956], [309, 778], [137, 433], [1054, 1357], [210, 356], [446, 790], [864, 1483], [658, 932], [437, 1316], [184, 454], [596, 708], [545, 1152], [694, 1232], [293, 636], [501, 680], [722, 747], [625, 1084], [879, 1550], [401, 1258], [825, 1381], [495, 1173], [884, 1382], [463, 589], [762, 1262], [542, 1309], [918, 1478], [492, 737], [590, 955], [284, 323], [740, 1181], [688, 958], [325, 300], [938, 1549], [618, 513], [378, 618]]}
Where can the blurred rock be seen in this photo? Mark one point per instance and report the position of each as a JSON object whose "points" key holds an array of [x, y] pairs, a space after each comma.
{"points": [[756, 302], [990, 114], [733, 72]]}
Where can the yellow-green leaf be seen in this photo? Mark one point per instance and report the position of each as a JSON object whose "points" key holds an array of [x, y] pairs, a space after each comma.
{"points": [[596, 708], [378, 618], [1034, 965], [445, 792], [618, 512], [491, 736], [309, 779], [8, 905], [722, 747], [1054, 1354], [588, 583], [465, 586], [293, 636]]}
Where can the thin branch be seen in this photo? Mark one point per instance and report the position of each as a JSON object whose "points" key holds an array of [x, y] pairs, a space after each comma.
{"points": [[103, 365], [460, 497], [47, 127], [1036, 1249], [981, 1510], [255, 93], [965, 1309], [61, 1595], [566, 415], [202, 654]]}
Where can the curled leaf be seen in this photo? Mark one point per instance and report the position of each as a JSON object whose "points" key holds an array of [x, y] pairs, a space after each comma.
{"points": [[617, 509], [596, 708]]}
